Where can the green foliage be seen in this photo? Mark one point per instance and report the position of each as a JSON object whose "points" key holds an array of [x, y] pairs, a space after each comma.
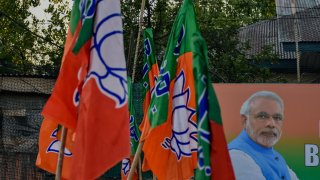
{"points": [[219, 22], [15, 41], [30, 45], [56, 31]]}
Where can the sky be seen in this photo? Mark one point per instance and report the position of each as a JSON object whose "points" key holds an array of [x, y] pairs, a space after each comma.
{"points": [[39, 11]]}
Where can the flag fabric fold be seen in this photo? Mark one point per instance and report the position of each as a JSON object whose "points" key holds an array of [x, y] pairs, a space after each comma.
{"points": [[62, 106], [134, 135]]}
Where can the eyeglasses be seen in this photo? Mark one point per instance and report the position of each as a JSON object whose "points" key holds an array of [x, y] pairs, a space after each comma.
{"points": [[263, 116]]}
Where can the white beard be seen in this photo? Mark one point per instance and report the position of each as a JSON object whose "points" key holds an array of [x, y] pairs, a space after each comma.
{"points": [[267, 141]]}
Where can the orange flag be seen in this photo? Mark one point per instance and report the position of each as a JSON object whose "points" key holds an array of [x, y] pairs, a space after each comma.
{"points": [[61, 108], [171, 147], [102, 134], [100, 119], [150, 74]]}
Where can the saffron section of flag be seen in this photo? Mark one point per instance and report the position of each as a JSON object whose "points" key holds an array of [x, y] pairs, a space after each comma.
{"points": [[49, 146], [62, 104], [171, 147], [61, 108]]}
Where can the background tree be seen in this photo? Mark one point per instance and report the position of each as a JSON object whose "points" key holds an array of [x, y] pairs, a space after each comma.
{"points": [[30, 45], [16, 39], [55, 31], [219, 22]]}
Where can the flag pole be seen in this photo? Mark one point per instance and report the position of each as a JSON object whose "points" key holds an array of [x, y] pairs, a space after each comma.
{"points": [[138, 151], [140, 169], [61, 153], [135, 160], [138, 40]]}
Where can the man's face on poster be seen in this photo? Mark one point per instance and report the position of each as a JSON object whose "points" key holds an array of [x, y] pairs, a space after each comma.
{"points": [[264, 121]]}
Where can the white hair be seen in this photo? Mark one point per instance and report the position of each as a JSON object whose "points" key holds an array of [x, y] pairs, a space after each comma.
{"points": [[246, 106]]}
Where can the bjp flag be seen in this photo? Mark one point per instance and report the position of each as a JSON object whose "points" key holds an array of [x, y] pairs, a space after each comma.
{"points": [[61, 108], [150, 72], [102, 133], [93, 70], [213, 156], [171, 147]]}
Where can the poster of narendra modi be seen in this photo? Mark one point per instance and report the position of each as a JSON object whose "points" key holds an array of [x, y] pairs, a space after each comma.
{"points": [[294, 131]]}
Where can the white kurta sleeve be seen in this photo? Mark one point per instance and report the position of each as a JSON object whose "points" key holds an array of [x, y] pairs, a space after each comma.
{"points": [[244, 166]]}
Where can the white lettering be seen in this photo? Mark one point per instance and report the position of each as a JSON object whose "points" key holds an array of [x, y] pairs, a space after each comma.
{"points": [[311, 155]]}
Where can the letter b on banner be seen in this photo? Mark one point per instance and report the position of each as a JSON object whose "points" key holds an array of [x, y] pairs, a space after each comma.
{"points": [[311, 155]]}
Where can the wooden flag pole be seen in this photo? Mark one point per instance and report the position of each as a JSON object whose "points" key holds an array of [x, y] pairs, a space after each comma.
{"points": [[61, 153], [138, 151], [135, 160], [140, 169], [138, 40]]}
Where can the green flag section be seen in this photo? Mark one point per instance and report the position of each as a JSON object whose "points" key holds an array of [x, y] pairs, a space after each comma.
{"points": [[150, 72], [134, 135], [213, 157], [134, 129], [86, 9]]}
